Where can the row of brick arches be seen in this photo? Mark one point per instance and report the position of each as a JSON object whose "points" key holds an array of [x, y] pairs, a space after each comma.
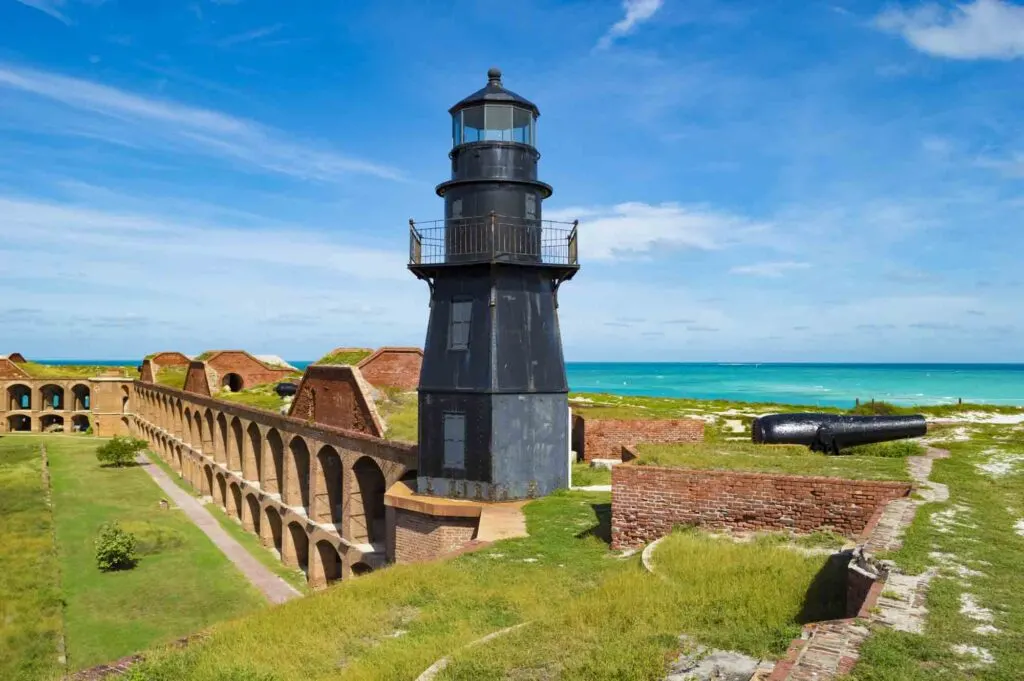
{"points": [[47, 397], [316, 497], [47, 422]]}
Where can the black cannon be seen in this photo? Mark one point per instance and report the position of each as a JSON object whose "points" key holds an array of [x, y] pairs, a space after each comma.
{"points": [[285, 389], [833, 432]]}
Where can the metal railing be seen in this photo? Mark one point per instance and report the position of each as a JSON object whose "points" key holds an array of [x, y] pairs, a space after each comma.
{"points": [[493, 238]]}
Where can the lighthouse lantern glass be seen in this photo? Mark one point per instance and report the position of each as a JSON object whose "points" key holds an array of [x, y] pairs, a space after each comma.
{"points": [[493, 123]]}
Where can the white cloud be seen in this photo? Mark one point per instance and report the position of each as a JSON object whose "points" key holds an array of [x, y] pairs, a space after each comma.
{"points": [[248, 36], [136, 120], [637, 12], [983, 29], [49, 7], [769, 269], [639, 228]]}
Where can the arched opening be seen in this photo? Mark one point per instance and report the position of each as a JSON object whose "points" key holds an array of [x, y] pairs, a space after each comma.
{"points": [[296, 491], [221, 444], [235, 509], [251, 514], [186, 434], [207, 481], [51, 423], [232, 382], [19, 397], [52, 397], [297, 551], [252, 461], [79, 423], [329, 564], [80, 396], [127, 425], [197, 432], [367, 505], [222, 491], [178, 420], [234, 446], [178, 463], [328, 488], [361, 569], [209, 435], [19, 423], [272, 473], [125, 405], [272, 536]]}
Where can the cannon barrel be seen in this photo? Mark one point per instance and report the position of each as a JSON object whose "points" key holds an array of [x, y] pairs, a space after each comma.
{"points": [[833, 432]]}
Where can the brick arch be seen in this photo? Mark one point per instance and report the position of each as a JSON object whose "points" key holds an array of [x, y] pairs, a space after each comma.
{"points": [[330, 473], [296, 548], [327, 565], [19, 423], [126, 405], [81, 421], [235, 500], [251, 514], [220, 444], [198, 438], [179, 464], [273, 469], [179, 419], [296, 488], [186, 431], [272, 532], [47, 393], [80, 396], [209, 434], [221, 491], [16, 394], [235, 445], [252, 456], [208, 482], [50, 420], [366, 506]]}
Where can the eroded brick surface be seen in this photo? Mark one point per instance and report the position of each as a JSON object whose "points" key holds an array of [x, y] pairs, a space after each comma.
{"points": [[420, 537], [605, 438]]}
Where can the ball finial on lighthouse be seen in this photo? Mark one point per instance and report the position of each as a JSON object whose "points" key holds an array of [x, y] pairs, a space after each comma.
{"points": [[494, 75]]}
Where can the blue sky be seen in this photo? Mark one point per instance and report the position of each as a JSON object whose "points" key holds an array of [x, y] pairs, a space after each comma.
{"points": [[755, 181]]}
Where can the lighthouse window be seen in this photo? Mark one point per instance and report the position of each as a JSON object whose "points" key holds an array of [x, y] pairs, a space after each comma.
{"points": [[493, 122], [454, 440], [458, 333]]}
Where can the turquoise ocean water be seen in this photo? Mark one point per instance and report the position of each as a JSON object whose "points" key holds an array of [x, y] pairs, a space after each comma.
{"points": [[810, 384]]}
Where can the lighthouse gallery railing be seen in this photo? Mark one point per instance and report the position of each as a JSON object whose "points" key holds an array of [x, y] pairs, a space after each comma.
{"points": [[492, 238]]}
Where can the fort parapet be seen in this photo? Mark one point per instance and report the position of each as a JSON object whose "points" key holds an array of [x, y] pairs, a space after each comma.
{"points": [[36, 405]]}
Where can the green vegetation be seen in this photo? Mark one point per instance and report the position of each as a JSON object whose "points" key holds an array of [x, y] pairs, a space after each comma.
{"points": [[896, 449], [259, 396], [978, 528], [120, 451], [172, 377], [203, 356], [30, 601], [352, 356], [36, 370], [584, 476], [786, 459], [182, 582], [401, 413], [591, 616], [115, 548]]}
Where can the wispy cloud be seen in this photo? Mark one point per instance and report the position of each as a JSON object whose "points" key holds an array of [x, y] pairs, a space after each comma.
{"points": [[637, 12], [636, 228], [983, 29], [769, 269], [145, 121], [249, 36], [51, 7]]}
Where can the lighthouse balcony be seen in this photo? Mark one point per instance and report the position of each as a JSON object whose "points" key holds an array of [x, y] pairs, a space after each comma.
{"points": [[492, 239]]}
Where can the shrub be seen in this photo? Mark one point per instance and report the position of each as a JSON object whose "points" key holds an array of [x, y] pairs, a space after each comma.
{"points": [[121, 450], [115, 548], [895, 449], [877, 409]]}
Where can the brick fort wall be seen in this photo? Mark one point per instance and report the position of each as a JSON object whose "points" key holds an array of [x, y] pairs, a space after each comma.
{"points": [[393, 368], [648, 501], [336, 396], [420, 537], [604, 438]]}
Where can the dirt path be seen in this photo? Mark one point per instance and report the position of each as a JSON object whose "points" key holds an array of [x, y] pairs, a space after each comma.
{"points": [[273, 587]]}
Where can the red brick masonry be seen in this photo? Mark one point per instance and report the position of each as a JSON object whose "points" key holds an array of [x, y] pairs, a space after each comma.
{"points": [[595, 438], [648, 501], [393, 367], [420, 537]]}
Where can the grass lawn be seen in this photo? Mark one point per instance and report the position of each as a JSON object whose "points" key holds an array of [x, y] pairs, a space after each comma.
{"points": [[172, 377], [248, 540], [36, 370], [594, 615], [786, 459], [982, 533], [352, 357], [401, 412], [30, 608], [181, 584], [259, 396], [584, 476]]}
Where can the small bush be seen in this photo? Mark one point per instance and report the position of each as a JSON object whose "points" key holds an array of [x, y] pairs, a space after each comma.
{"points": [[877, 409], [897, 449], [115, 548], [120, 451]]}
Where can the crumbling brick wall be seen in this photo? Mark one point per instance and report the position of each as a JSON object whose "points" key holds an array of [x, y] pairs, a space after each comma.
{"points": [[595, 438], [251, 370], [336, 396], [393, 368], [9, 369], [197, 379], [648, 501], [422, 537]]}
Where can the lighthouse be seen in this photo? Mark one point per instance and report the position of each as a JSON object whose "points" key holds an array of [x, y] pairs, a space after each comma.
{"points": [[493, 395]]}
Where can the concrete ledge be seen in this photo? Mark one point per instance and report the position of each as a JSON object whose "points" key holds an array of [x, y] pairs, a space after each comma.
{"points": [[400, 495]]}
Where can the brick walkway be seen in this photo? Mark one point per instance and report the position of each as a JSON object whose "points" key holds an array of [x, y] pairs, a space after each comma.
{"points": [[273, 587]]}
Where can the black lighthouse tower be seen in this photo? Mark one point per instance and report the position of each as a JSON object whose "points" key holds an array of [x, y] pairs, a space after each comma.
{"points": [[493, 396]]}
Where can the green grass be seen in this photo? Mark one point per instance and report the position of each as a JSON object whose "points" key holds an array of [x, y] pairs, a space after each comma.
{"points": [[985, 540], [172, 377], [181, 584], [352, 357], [785, 459], [36, 370], [584, 476], [249, 541], [259, 396], [30, 606], [400, 412]]}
